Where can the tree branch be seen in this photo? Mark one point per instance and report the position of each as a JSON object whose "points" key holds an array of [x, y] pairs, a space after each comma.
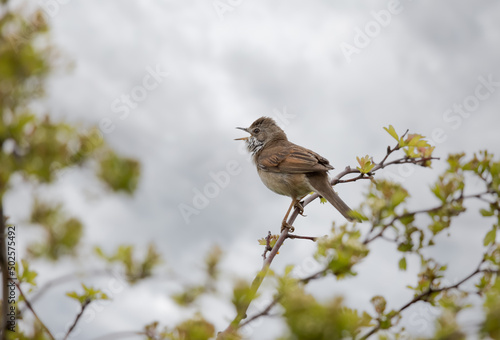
{"points": [[120, 335], [84, 305], [236, 323], [264, 312], [369, 239], [268, 245], [30, 307], [311, 238], [65, 278], [422, 296]]}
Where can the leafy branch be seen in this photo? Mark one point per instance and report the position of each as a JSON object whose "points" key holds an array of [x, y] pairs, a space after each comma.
{"points": [[343, 249], [425, 295], [417, 151]]}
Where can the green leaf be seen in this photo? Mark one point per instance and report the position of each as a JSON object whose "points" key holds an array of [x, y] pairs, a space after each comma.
{"points": [[490, 236], [73, 295], [27, 275], [487, 213], [89, 294], [121, 174], [357, 215], [402, 263], [365, 164], [392, 132]]}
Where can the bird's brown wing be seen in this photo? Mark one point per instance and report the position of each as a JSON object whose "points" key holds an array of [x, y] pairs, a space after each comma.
{"points": [[292, 159]]}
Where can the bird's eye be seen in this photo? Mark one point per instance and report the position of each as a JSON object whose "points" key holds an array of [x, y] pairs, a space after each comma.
{"points": [[256, 130]]}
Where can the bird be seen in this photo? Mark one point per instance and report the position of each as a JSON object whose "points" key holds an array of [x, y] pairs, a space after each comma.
{"points": [[289, 169]]}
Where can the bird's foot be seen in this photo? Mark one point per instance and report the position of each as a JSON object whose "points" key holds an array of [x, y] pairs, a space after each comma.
{"points": [[286, 225], [300, 207]]}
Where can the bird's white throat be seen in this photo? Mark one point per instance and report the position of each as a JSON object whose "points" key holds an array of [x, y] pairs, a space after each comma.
{"points": [[254, 145]]}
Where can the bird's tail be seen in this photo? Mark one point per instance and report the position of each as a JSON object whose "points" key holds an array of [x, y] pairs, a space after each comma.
{"points": [[326, 191]]}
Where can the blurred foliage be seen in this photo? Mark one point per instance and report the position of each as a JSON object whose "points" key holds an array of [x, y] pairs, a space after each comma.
{"points": [[25, 274], [119, 173], [196, 328], [491, 324], [89, 294], [192, 292], [135, 270], [309, 319], [34, 146], [61, 233], [39, 150], [37, 333], [447, 325], [341, 250]]}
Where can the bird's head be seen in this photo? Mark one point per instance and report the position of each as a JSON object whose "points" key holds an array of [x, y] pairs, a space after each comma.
{"points": [[262, 131]]}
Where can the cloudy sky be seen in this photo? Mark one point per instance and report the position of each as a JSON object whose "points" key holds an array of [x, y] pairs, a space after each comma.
{"points": [[168, 82]]}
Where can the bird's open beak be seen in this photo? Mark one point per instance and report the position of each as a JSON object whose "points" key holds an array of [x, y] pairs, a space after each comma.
{"points": [[242, 138]]}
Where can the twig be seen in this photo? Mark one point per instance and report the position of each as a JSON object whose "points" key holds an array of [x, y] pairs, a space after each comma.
{"points": [[312, 238], [28, 304], [276, 248], [422, 296], [264, 312], [84, 305], [314, 276], [257, 281], [369, 238], [120, 335], [64, 279], [268, 245]]}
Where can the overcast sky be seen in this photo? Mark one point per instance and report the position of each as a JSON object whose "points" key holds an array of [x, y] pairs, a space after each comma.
{"points": [[169, 81]]}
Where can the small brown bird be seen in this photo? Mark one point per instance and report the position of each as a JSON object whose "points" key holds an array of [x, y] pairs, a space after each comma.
{"points": [[289, 169]]}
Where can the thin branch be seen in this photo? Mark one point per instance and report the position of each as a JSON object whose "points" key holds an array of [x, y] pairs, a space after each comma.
{"points": [[369, 238], [268, 245], [276, 248], [120, 335], [30, 307], [84, 305], [65, 278], [422, 296], [257, 281], [264, 312], [314, 276], [312, 238]]}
